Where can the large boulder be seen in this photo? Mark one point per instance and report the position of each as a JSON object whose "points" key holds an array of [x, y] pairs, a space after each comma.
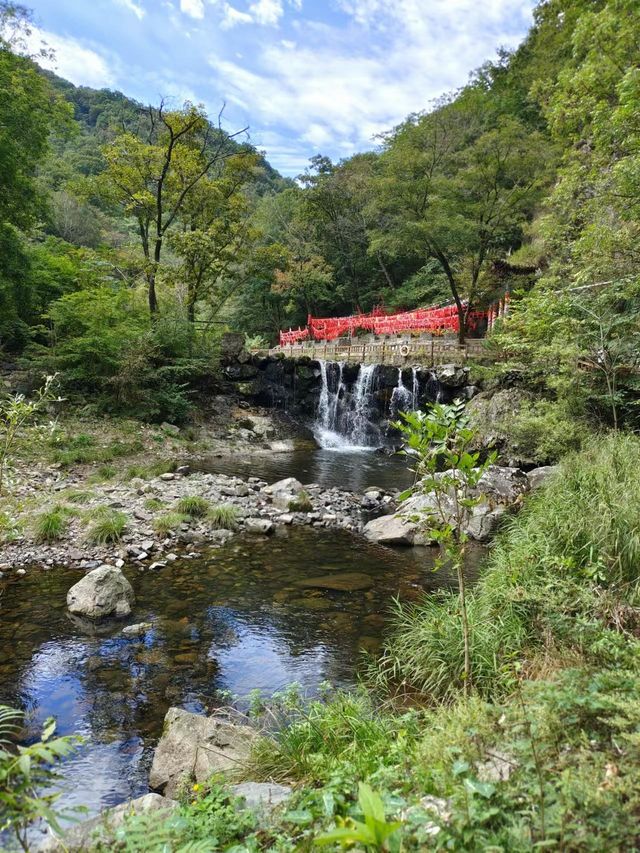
{"points": [[86, 835], [538, 476], [284, 492], [100, 593], [391, 530], [451, 375], [193, 747]]}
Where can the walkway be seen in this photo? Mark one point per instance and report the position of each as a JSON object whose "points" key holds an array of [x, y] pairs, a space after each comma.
{"points": [[398, 352]]}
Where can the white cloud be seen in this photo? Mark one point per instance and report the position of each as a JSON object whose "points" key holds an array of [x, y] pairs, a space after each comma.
{"points": [[338, 88], [193, 8], [136, 8], [266, 12], [232, 16], [73, 60]]}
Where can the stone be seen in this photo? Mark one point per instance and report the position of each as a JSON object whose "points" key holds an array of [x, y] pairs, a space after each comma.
{"points": [[451, 375], [286, 518], [171, 429], [538, 476], [87, 834], [193, 747], [498, 767], [342, 582], [102, 592], [262, 796], [391, 530], [137, 630], [259, 526], [284, 492], [168, 476]]}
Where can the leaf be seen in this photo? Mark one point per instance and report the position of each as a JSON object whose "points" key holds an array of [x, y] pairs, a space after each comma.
{"points": [[484, 789], [370, 803]]}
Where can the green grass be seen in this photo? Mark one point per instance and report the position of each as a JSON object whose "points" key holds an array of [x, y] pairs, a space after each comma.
{"points": [[50, 525], [154, 503], [553, 585], [167, 523], [107, 526], [224, 517], [301, 503], [193, 506], [78, 496], [84, 449]]}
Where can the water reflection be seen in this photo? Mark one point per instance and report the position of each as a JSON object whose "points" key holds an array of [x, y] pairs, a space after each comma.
{"points": [[349, 469], [240, 618]]}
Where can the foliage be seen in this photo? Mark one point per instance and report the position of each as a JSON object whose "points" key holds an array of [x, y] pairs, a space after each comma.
{"points": [[550, 586], [27, 774], [107, 526], [167, 523], [223, 517], [194, 506], [439, 442], [15, 413], [50, 524], [375, 833]]}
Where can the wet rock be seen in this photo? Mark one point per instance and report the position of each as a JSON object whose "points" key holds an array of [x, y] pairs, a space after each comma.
{"points": [[137, 630], [102, 592], [259, 526], [451, 375], [196, 747], [343, 582], [89, 833], [262, 796]]}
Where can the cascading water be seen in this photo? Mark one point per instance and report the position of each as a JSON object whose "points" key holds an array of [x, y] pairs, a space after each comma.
{"points": [[402, 399], [344, 418]]}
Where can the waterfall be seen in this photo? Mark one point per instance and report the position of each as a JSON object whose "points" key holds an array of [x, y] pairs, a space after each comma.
{"points": [[344, 417], [415, 388], [402, 399]]}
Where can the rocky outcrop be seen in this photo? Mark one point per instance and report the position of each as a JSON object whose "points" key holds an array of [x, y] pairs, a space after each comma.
{"points": [[538, 476], [101, 593], [500, 489], [491, 412], [193, 747], [88, 834], [285, 492]]}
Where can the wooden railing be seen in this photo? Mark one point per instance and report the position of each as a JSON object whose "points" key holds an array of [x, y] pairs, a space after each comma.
{"points": [[395, 352]]}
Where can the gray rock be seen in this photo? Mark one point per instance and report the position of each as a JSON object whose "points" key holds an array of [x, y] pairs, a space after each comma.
{"points": [[539, 475], [451, 375], [171, 429], [196, 747], [102, 592], [391, 530], [262, 796], [259, 526], [284, 491], [85, 835], [137, 630]]}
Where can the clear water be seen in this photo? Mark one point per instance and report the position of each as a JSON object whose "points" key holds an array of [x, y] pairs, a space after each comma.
{"points": [[242, 618], [348, 468]]}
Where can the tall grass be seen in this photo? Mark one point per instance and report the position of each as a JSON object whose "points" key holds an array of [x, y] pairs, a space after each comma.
{"points": [[561, 578], [194, 506], [50, 524], [224, 517], [107, 527]]}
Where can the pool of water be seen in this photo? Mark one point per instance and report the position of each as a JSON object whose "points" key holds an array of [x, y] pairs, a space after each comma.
{"points": [[349, 469], [257, 614]]}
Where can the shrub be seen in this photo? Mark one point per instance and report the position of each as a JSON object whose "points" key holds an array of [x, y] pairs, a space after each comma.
{"points": [[194, 506], [224, 517], [50, 524], [108, 526], [558, 579]]}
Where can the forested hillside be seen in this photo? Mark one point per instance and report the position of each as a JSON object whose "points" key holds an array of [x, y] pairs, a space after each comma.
{"points": [[524, 181]]}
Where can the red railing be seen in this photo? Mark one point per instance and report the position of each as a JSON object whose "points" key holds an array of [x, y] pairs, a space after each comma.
{"points": [[436, 320]]}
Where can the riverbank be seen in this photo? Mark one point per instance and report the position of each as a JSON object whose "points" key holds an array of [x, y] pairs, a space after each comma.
{"points": [[543, 753]]}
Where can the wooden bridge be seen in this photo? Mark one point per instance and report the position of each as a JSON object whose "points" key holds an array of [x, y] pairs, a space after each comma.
{"points": [[398, 352]]}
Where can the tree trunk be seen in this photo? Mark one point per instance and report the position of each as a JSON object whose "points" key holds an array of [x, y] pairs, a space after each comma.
{"points": [[153, 299]]}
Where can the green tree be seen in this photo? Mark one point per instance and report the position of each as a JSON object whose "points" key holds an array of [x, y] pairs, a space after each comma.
{"points": [[152, 178], [459, 193]]}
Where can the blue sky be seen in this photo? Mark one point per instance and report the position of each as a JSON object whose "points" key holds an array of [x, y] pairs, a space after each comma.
{"points": [[307, 76]]}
